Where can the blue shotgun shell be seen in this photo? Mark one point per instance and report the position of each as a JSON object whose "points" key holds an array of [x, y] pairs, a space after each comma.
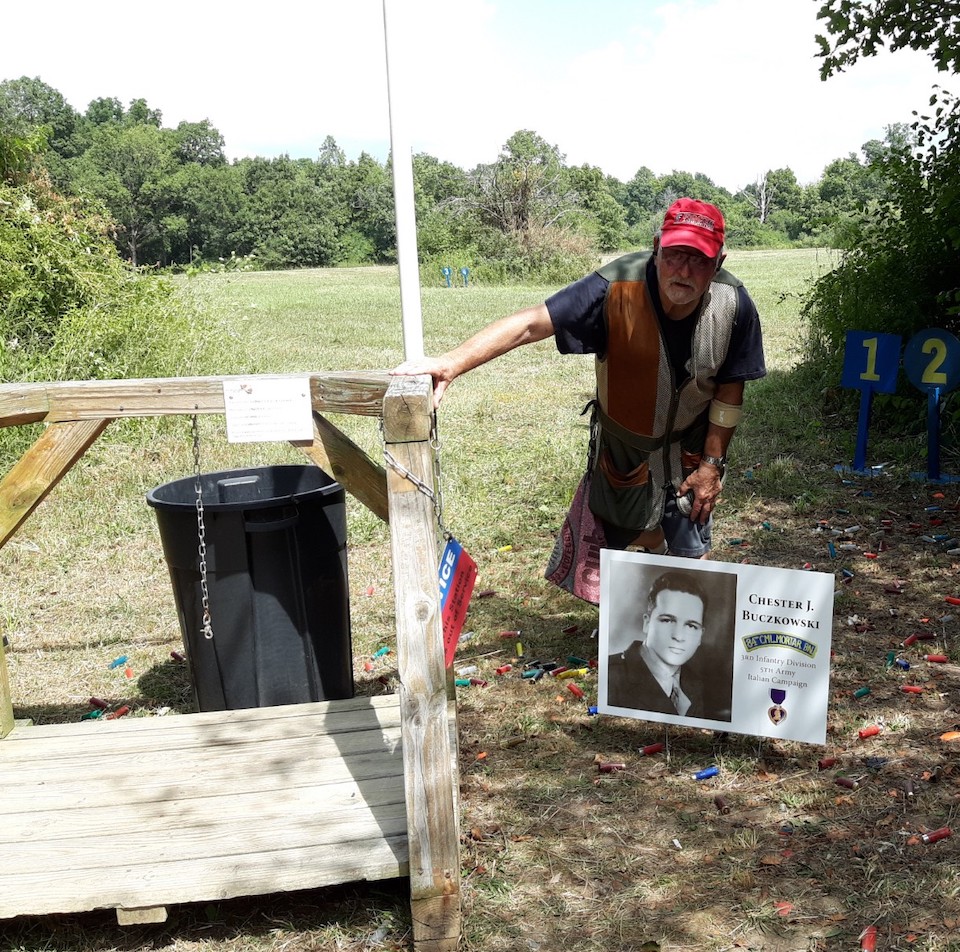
{"points": [[707, 773]]}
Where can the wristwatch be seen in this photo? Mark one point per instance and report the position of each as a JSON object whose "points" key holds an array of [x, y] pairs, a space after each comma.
{"points": [[719, 461]]}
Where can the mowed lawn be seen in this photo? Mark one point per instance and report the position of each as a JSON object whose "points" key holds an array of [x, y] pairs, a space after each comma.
{"points": [[554, 856]]}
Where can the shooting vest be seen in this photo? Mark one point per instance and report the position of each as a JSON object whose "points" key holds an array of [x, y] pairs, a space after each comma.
{"points": [[647, 433]]}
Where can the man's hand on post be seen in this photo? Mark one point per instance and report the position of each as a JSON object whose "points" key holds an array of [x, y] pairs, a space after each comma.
{"points": [[439, 369]]}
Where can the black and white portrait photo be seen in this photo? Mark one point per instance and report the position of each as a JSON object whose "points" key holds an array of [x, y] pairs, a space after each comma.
{"points": [[670, 637]]}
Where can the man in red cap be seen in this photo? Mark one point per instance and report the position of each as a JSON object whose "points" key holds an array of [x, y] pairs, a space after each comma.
{"points": [[675, 338]]}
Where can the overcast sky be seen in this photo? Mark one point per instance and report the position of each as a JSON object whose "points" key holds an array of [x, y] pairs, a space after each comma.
{"points": [[729, 88]]}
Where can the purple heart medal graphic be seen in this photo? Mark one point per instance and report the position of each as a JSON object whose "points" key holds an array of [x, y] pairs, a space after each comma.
{"points": [[777, 713]]}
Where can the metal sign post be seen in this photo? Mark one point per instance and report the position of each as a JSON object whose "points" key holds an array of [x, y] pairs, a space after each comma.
{"points": [[402, 155]]}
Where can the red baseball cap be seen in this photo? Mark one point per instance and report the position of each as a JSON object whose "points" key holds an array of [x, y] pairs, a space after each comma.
{"points": [[695, 224]]}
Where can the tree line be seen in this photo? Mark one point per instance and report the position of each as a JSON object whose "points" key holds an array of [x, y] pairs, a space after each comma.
{"points": [[177, 202], [84, 196]]}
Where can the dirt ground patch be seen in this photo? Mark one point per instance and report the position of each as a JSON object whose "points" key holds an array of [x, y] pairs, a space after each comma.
{"points": [[791, 846]]}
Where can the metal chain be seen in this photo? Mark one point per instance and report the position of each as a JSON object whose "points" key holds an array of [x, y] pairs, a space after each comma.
{"points": [[436, 497], [201, 533], [437, 480]]}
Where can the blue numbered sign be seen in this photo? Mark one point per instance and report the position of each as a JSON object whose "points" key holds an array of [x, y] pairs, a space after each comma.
{"points": [[932, 362], [465, 274], [870, 363], [447, 272]]}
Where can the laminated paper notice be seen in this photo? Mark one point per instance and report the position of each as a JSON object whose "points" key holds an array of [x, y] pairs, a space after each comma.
{"points": [[733, 647], [266, 409]]}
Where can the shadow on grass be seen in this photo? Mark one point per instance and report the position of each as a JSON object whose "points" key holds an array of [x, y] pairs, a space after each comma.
{"points": [[341, 917]]}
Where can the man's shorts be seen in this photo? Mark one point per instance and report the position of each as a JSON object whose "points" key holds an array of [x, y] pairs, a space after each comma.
{"points": [[685, 539]]}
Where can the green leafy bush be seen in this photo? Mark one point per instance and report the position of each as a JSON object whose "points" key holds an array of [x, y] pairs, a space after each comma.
{"points": [[70, 309], [901, 273]]}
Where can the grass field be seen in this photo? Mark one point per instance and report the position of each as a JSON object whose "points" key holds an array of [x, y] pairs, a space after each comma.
{"points": [[554, 855]]}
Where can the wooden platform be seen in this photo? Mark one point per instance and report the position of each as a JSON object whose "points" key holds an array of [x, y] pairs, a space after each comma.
{"points": [[152, 811], [140, 813]]}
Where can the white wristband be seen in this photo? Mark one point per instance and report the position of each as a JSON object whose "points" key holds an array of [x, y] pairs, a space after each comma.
{"points": [[724, 414]]}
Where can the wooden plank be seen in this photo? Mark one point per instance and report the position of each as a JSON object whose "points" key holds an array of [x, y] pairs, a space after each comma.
{"points": [[157, 837], [38, 893], [143, 915], [80, 787], [106, 760], [314, 720], [429, 773], [71, 809], [41, 468], [6, 701], [105, 746], [341, 392], [344, 714], [334, 451]]}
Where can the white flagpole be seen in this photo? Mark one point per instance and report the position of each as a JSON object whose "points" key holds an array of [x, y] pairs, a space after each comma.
{"points": [[411, 314]]}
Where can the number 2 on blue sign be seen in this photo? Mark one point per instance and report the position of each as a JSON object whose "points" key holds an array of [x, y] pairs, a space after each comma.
{"points": [[931, 360], [932, 375]]}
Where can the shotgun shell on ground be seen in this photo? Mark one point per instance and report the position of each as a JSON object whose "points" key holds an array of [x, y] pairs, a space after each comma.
{"points": [[935, 835], [572, 673]]}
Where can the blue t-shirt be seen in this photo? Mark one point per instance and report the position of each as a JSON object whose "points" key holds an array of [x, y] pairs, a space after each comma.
{"points": [[579, 328]]}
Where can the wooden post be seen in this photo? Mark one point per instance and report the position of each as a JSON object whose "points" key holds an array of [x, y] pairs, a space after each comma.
{"points": [[429, 769], [6, 701]]}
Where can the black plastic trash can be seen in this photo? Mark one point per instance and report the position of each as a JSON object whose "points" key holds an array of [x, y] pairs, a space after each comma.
{"points": [[276, 553]]}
